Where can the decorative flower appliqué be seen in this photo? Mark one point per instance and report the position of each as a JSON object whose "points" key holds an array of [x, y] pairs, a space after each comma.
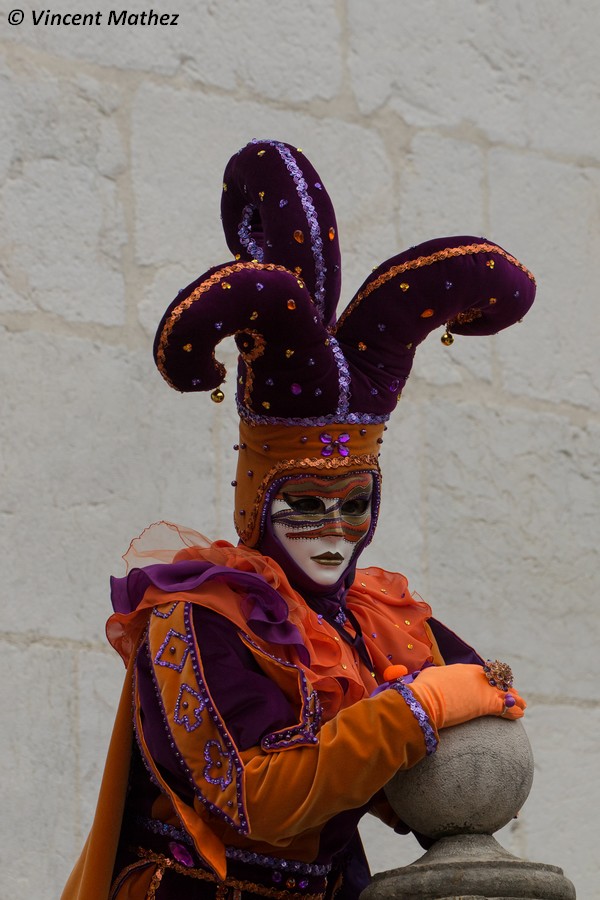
{"points": [[332, 444]]}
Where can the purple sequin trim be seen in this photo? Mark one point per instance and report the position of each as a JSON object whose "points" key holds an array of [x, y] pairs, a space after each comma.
{"points": [[226, 748], [306, 731], [329, 419], [245, 234], [316, 243], [419, 713], [341, 412], [215, 757], [164, 615], [244, 856], [183, 715], [158, 827], [272, 862], [302, 734], [228, 751], [343, 378], [171, 654]]}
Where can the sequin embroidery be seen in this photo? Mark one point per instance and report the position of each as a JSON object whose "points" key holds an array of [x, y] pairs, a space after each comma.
{"points": [[190, 718], [163, 615], [419, 713], [215, 756], [420, 262], [217, 762], [316, 242], [245, 233], [173, 652]]}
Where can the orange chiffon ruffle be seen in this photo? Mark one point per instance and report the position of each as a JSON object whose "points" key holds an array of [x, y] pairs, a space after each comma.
{"points": [[390, 617]]}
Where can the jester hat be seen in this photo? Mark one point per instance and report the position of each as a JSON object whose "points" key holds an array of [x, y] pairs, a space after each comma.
{"points": [[314, 392]]}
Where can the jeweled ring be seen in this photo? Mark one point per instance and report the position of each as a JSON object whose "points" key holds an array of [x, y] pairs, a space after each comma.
{"points": [[498, 674]]}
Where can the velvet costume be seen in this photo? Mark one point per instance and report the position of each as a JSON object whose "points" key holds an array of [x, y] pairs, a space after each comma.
{"points": [[259, 736], [256, 737]]}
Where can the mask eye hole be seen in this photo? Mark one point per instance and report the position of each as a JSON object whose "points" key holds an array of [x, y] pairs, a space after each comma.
{"points": [[356, 507], [311, 506]]}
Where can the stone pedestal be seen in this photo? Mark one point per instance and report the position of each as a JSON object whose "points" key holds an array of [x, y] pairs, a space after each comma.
{"points": [[474, 784]]}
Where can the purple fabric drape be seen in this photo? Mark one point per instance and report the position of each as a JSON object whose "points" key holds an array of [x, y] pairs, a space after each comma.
{"points": [[265, 610]]}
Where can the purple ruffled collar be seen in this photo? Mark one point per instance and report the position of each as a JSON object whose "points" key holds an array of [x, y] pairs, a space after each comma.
{"points": [[264, 609]]}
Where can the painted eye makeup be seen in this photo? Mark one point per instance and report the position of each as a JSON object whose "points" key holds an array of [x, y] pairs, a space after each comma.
{"points": [[356, 507], [308, 505]]}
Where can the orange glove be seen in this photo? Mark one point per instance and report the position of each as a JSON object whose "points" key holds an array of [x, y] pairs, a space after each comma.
{"points": [[456, 693]]}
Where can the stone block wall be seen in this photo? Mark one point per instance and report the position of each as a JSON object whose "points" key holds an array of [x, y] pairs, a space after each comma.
{"points": [[423, 118]]}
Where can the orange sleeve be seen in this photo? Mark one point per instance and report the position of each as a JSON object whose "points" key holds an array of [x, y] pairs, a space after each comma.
{"points": [[299, 777], [357, 753]]}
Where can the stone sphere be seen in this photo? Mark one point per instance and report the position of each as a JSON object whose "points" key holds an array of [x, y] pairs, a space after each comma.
{"points": [[475, 783]]}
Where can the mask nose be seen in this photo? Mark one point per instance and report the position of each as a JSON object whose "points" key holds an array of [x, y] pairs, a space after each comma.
{"points": [[336, 525]]}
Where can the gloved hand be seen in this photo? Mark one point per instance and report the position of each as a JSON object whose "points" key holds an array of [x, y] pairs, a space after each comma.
{"points": [[457, 693]]}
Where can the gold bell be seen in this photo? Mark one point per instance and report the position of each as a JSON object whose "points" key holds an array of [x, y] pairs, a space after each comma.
{"points": [[447, 339], [217, 395]]}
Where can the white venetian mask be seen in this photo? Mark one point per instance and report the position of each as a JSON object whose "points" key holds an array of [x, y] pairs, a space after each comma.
{"points": [[321, 521]]}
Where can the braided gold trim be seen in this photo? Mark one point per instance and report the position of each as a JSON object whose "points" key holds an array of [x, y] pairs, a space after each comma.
{"points": [[165, 862], [117, 884], [155, 883], [185, 304], [258, 350], [367, 459], [420, 262]]}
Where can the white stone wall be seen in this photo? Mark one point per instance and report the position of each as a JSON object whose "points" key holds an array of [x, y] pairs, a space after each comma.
{"points": [[423, 117]]}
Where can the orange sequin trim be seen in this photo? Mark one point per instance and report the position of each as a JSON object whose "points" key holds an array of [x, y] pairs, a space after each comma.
{"points": [[420, 262], [257, 350], [196, 294], [468, 315]]}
